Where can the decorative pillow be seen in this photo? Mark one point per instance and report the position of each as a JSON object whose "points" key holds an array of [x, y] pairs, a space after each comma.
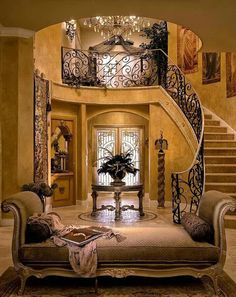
{"points": [[197, 228], [36, 232]]}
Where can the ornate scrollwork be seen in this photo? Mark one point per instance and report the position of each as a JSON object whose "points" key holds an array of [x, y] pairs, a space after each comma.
{"points": [[188, 186], [109, 69]]}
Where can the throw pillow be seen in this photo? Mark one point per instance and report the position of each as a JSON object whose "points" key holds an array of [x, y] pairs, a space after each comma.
{"points": [[36, 232], [197, 228]]}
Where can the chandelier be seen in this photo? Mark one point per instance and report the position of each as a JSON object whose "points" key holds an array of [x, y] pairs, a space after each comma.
{"points": [[109, 26]]}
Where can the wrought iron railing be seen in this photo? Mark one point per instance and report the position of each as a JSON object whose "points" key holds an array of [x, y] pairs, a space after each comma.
{"points": [[146, 68], [187, 186], [108, 69]]}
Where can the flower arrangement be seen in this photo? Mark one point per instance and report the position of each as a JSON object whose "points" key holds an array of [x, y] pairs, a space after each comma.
{"points": [[41, 189], [118, 165]]}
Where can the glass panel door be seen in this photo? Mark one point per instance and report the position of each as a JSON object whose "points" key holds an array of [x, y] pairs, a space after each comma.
{"points": [[106, 144], [119, 140], [130, 142]]}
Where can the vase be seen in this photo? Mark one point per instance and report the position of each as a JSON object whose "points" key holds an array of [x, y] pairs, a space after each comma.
{"points": [[117, 179]]}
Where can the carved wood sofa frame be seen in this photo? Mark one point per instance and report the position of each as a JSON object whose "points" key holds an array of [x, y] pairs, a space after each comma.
{"points": [[213, 207]]}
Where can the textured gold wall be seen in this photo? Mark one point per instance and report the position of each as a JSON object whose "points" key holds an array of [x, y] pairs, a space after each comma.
{"points": [[16, 113]]}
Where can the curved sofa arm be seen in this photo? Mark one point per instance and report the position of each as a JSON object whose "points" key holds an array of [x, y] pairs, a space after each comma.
{"points": [[213, 207], [22, 205]]}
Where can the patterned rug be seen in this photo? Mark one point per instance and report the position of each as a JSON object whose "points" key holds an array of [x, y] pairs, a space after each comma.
{"points": [[128, 216], [109, 287]]}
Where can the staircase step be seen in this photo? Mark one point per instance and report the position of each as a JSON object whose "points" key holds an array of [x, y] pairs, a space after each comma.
{"points": [[233, 195], [218, 136], [216, 129], [230, 221], [207, 116], [219, 143], [220, 151], [221, 177], [220, 159], [212, 123], [220, 168], [222, 187]]}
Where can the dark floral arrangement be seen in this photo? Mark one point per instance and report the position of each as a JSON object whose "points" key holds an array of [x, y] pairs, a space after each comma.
{"points": [[118, 165], [41, 189]]}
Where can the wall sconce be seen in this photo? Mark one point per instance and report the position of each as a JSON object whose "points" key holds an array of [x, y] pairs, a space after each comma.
{"points": [[71, 29], [161, 144]]}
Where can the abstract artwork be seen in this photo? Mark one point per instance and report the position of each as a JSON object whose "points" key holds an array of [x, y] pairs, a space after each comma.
{"points": [[187, 46], [41, 102], [210, 67], [230, 75]]}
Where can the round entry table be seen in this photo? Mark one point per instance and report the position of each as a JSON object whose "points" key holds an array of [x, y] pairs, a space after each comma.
{"points": [[117, 192]]}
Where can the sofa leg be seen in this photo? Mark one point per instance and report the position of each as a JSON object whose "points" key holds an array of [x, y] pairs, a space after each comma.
{"points": [[23, 280], [96, 285], [217, 290]]}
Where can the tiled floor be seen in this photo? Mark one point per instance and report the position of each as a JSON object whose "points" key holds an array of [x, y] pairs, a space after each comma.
{"points": [[70, 215]]}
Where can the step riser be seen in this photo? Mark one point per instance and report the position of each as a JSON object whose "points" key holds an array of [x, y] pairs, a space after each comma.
{"points": [[219, 144], [219, 152], [215, 129], [218, 136], [230, 223], [212, 123], [212, 160], [220, 169], [207, 116], [220, 179], [222, 188]]}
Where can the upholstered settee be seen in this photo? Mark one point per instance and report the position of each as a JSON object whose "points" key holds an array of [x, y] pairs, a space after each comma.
{"points": [[160, 251]]}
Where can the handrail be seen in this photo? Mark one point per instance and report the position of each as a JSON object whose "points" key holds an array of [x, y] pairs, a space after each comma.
{"points": [[195, 173], [146, 68]]}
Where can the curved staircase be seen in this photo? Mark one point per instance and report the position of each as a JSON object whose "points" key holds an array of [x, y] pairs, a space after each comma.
{"points": [[220, 160]]}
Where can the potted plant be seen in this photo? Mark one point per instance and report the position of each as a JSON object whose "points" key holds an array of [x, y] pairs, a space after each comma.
{"points": [[117, 166], [42, 189]]}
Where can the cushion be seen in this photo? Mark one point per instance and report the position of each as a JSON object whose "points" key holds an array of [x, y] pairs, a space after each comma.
{"points": [[157, 245], [36, 232], [197, 228]]}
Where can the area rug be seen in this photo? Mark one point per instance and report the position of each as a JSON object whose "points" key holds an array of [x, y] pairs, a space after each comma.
{"points": [[109, 287], [128, 216]]}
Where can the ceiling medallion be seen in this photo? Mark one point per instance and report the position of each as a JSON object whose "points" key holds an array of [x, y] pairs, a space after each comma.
{"points": [[109, 26]]}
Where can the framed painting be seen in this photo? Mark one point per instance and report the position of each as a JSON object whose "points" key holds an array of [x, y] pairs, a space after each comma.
{"points": [[187, 47], [230, 75], [211, 67]]}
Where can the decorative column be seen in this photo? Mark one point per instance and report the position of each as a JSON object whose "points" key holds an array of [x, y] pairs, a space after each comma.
{"points": [[161, 144]]}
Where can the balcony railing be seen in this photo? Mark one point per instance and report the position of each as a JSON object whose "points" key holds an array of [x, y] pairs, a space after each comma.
{"points": [[147, 68], [109, 69]]}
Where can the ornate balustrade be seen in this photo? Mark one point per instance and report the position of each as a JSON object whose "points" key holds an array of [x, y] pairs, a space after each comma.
{"points": [[187, 186], [108, 69], [146, 68]]}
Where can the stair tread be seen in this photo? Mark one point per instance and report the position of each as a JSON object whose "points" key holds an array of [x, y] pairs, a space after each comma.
{"points": [[222, 165], [220, 148], [220, 184], [220, 156], [220, 140], [222, 173], [218, 133]]}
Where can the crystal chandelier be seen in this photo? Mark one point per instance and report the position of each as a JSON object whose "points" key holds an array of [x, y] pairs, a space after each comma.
{"points": [[109, 26], [71, 29]]}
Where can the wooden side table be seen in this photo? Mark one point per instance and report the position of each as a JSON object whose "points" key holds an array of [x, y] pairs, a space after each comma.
{"points": [[117, 191]]}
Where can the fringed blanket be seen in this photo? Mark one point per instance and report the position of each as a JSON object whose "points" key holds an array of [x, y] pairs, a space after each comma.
{"points": [[80, 241]]}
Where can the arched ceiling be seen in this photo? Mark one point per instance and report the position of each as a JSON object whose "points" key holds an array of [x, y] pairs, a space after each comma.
{"points": [[214, 21]]}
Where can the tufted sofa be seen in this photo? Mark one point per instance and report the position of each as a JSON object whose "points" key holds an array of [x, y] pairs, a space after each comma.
{"points": [[162, 251]]}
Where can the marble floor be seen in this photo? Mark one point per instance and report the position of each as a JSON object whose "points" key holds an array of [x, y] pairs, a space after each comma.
{"points": [[70, 215]]}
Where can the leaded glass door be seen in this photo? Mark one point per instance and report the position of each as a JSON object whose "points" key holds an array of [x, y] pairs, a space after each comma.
{"points": [[119, 140]]}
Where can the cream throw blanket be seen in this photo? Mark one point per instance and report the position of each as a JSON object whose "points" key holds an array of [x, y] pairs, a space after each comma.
{"points": [[83, 259]]}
